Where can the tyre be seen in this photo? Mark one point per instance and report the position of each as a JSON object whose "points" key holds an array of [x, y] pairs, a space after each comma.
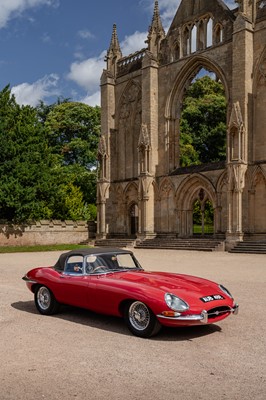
{"points": [[45, 301], [140, 320]]}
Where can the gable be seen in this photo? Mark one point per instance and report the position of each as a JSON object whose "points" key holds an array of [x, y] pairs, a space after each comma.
{"points": [[190, 10]]}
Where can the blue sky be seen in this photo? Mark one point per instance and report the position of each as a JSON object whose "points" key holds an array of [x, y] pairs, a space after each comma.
{"points": [[52, 48]]}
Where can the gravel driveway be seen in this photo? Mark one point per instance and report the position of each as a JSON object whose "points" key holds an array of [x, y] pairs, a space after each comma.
{"points": [[80, 355]]}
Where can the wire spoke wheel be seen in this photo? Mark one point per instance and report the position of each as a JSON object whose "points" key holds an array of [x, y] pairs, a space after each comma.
{"points": [[139, 315], [44, 298], [140, 319], [45, 301]]}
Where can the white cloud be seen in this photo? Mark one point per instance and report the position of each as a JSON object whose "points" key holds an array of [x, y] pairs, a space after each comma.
{"points": [[32, 93], [87, 73], [85, 34], [92, 100], [12, 8], [133, 43]]}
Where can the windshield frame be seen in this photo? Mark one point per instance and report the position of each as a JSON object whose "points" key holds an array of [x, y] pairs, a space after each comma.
{"points": [[110, 262]]}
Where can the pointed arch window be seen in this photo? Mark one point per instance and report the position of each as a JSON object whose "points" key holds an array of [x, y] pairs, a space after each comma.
{"points": [[210, 32], [218, 34], [201, 36], [194, 39], [176, 52], [186, 41]]}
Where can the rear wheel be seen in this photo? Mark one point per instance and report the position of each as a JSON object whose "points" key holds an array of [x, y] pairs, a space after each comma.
{"points": [[140, 320], [45, 301]]}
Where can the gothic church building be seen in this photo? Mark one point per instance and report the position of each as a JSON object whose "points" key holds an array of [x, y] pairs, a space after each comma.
{"points": [[142, 190]]}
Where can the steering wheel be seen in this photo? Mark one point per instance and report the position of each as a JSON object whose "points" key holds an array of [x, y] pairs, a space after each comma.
{"points": [[100, 267]]}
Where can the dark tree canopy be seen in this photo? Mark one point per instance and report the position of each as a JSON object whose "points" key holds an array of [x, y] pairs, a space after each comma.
{"points": [[47, 159], [73, 132], [25, 163], [203, 123]]}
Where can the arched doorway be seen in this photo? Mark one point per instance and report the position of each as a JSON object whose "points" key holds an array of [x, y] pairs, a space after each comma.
{"points": [[133, 219], [203, 217], [196, 207]]}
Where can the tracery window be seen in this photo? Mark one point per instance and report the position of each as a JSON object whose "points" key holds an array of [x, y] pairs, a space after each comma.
{"points": [[200, 34]]}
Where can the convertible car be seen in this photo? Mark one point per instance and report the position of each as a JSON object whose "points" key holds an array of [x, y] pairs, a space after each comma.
{"points": [[111, 281]]}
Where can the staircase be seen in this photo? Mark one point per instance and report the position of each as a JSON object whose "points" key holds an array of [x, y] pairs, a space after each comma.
{"points": [[115, 242], [198, 244], [249, 247]]}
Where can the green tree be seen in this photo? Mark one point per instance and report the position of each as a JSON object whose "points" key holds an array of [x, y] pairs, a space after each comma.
{"points": [[73, 132], [203, 123], [25, 163], [47, 173], [44, 109]]}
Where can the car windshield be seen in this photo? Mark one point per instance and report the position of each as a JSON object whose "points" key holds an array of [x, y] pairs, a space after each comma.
{"points": [[102, 263]]}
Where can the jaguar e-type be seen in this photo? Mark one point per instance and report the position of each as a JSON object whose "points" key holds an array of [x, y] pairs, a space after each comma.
{"points": [[112, 282]]}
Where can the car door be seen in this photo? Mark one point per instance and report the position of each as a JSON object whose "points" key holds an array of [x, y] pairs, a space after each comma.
{"points": [[74, 283]]}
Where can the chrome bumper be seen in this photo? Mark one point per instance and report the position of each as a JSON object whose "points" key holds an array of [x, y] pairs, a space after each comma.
{"points": [[27, 280], [203, 317]]}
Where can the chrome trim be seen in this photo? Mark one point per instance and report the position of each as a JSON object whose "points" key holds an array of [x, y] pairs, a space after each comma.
{"points": [[235, 309], [28, 280], [203, 317]]}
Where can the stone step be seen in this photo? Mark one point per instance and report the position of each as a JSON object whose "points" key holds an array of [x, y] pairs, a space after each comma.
{"points": [[249, 247], [120, 243], [247, 251], [181, 244]]}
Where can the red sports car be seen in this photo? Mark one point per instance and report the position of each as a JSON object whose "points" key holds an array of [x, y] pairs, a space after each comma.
{"points": [[111, 281]]}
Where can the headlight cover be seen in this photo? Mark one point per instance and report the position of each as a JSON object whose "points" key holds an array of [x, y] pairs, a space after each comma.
{"points": [[226, 291], [175, 303]]}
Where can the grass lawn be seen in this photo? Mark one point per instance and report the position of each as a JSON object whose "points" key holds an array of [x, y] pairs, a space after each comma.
{"points": [[55, 247]]}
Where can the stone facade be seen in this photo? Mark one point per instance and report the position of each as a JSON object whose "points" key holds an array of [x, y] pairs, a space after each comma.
{"points": [[142, 190]]}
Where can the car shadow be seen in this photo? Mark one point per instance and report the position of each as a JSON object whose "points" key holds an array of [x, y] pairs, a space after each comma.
{"points": [[117, 325]]}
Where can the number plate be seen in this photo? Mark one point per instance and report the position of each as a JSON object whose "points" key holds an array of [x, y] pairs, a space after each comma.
{"points": [[213, 297]]}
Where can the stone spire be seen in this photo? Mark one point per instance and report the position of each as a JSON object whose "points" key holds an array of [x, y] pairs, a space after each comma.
{"points": [[114, 52], [156, 31]]}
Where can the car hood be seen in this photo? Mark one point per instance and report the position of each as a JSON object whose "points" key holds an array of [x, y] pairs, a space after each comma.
{"points": [[169, 282]]}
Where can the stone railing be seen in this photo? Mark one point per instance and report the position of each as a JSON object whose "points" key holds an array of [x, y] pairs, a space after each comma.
{"points": [[130, 63], [46, 232]]}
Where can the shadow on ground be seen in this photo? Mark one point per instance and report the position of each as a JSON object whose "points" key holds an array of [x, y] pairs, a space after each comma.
{"points": [[117, 325]]}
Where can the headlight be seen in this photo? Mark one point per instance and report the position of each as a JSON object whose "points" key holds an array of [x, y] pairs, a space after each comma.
{"points": [[226, 291], [175, 303]]}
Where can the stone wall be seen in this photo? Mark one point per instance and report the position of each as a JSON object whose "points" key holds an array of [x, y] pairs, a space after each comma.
{"points": [[46, 232]]}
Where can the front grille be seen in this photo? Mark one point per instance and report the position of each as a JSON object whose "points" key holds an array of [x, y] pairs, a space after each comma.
{"points": [[218, 311]]}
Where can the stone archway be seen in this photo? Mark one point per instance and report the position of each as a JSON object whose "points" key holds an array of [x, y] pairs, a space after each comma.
{"points": [[174, 102], [191, 189]]}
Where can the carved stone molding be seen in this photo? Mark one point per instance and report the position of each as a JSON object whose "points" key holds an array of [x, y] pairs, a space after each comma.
{"points": [[236, 177], [102, 148], [144, 138]]}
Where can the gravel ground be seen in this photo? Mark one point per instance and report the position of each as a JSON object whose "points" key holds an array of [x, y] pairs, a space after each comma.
{"points": [[80, 355]]}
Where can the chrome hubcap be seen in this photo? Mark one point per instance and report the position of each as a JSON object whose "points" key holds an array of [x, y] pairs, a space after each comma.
{"points": [[139, 316], [44, 298]]}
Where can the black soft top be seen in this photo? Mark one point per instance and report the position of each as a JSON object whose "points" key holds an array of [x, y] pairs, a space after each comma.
{"points": [[60, 264]]}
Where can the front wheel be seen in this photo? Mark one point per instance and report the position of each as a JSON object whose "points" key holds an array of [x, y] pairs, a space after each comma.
{"points": [[45, 301], [140, 320]]}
